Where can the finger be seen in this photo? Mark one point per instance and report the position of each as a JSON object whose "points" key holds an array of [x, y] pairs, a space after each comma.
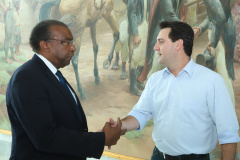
{"points": [[109, 147], [119, 123], [208, 47], [106, 125], [113, 123]]}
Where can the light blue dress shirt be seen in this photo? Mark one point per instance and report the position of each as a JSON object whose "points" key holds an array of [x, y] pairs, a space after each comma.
{"points": [[190, 112]]}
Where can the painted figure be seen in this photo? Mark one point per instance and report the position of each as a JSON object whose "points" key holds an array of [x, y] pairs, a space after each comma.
{"points": [[120, 14], [138, 26], [8, 8], [17, 19], [219, 15], [236, 17]]}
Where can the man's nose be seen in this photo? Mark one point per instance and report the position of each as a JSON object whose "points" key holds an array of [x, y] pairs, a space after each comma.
{"points": [[73, 48], [156, 47]]}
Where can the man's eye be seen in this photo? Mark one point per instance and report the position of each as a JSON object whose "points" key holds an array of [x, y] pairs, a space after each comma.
{"points": [[66, 42]]}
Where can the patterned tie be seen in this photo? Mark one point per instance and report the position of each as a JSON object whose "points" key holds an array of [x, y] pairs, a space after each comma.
{"points": [[64, 84]]}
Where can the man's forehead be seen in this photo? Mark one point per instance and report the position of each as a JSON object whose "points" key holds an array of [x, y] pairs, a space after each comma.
{"points": [[163, 34], [165, 31], [61, 31]]}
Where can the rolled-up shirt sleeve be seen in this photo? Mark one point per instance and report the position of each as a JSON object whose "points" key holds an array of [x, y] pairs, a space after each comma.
{"points": [[222, 112], [228, 137]]}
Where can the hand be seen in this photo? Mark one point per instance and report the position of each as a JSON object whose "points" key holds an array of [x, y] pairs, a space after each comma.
{"points": [[183, 19], [114, 124], [196, 31], [112, 134], [136, 39], [209, 45]]}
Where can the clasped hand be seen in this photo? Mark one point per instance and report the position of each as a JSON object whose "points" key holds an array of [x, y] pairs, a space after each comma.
{"points": [[113, 132]]}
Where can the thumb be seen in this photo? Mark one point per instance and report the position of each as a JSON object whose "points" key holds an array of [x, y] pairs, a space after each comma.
{"points": [[119, 123], [112, 122]]}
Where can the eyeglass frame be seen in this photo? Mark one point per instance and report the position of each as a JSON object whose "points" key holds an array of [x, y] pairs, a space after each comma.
{"points": [[62, 42]]}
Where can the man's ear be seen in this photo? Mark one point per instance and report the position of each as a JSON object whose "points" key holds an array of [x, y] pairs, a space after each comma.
{"points": [[179, 45], [44, 46]]}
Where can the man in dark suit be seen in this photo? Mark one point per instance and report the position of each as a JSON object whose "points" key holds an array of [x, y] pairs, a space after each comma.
{"points": [[46, 116]]}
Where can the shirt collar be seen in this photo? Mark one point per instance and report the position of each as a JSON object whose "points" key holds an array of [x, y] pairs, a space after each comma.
{"points": [[52, 68], [188, 68]]}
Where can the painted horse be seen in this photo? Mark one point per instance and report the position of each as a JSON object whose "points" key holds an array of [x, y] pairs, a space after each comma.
{"points": [[79, 14]]}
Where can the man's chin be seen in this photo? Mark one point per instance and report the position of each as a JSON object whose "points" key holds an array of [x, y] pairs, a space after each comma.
{"points": [[159, 62], [66, 64]]}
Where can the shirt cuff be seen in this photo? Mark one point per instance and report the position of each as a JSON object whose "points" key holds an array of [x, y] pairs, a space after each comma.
{"points": [[228, 137]]}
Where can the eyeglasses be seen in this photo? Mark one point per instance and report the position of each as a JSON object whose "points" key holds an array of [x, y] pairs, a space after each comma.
{"points": [[62, 42]]}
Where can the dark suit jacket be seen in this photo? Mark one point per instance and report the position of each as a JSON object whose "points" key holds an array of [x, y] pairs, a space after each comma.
{"points": [[44, 122]]}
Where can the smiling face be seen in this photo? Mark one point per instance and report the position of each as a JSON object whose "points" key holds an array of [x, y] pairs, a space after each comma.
{"points": [[60, 50], [165, 47]]}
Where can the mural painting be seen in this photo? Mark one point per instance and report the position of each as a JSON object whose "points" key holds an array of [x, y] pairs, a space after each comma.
{"points": [[115, 56]]}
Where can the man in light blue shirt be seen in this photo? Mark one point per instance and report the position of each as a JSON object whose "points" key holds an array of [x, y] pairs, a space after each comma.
{"points": [[190, 104]]}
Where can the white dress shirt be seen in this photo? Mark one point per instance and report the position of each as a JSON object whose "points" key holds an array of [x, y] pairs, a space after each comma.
{"points": [[53, 69]]}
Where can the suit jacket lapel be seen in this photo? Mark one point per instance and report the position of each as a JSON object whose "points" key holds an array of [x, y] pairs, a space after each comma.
{"points": [[79, 105], [56, 82]]}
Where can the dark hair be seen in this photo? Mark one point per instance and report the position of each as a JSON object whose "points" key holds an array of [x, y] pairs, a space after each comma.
{"points": [[180, 30], [42, 32]]}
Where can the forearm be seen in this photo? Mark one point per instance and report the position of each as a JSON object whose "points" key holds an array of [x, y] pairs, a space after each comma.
{"points": [[130, 123], [216, 34], [204, 25], [229, 151]]}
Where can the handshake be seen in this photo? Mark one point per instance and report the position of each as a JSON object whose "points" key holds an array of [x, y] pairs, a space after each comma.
{"points": [[113, 130]]}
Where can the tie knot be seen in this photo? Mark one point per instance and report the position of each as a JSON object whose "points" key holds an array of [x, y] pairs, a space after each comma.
{"points": [[59, 74]]}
